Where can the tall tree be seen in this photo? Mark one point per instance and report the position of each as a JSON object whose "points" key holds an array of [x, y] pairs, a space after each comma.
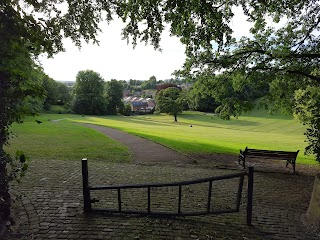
{"points": [[19, 88], [168, 101], [52, 91], [200, 98], [64, 96], [89, 94], [57, 93], [114, 94]]}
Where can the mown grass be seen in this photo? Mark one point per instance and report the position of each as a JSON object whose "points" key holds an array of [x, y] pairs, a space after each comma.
{"points": [[208, 133], [64, 140]]}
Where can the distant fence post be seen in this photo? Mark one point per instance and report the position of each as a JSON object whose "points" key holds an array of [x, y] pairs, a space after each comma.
{"points": [[250, 196], [85, 185]]}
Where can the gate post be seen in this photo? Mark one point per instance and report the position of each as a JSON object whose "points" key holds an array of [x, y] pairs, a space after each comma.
{"points": [[250, 196], [85, 186]]}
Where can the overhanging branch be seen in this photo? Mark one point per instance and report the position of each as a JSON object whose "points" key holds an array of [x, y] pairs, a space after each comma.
{"points": [[301, 73]]}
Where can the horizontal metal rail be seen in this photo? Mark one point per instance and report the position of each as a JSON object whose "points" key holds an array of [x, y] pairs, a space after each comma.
{"points": [[171, 214], [179, 212], [171, 184]]}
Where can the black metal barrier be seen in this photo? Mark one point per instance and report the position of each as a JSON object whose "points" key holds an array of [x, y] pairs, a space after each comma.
{"points": [[88, 208]]}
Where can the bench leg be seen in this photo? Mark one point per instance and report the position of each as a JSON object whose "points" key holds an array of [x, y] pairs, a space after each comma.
{"points": [[293, 163]]}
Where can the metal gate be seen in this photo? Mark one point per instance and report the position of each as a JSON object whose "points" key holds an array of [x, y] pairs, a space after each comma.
{"points": [[179, 185]]}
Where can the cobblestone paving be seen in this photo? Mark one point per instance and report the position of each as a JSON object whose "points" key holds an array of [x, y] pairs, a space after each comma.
{"points": [[49, 201], [51, 194]]}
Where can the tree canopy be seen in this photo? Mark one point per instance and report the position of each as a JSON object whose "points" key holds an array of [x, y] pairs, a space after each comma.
{"points": [[292, 48], [89, 94], [57, 93], [168, 101], [149, 84], [113, 93]]}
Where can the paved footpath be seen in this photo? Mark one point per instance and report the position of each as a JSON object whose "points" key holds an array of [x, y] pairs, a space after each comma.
{"points": [[143, 150], [49, 201]]}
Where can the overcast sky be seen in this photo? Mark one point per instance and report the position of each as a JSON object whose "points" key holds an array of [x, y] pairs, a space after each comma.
{"points": [[115, 59]]}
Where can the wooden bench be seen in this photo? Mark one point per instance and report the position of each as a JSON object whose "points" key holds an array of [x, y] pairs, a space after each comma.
{"points": [[290, 157]]}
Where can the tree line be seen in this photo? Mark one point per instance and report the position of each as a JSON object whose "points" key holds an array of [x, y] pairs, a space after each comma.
{"points": [[90, 95]]}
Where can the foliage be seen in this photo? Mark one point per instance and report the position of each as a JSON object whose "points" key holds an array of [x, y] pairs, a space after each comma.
{"points": [[51, 92], [113, 93], [125, 84], [89, 94], [150, 84], [166, 85], [168, 101], [291, 48], [313, 137], [227, 95], [57, 93], [21, 93], [126, 111], [307, 110], [183, 99], [64, 94], [283, 46], [134, 85], [200, 98], [17, 166], [234, 95]]}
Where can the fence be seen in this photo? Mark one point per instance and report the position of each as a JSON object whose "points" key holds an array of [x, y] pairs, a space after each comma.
{"points": [[179, 185]]}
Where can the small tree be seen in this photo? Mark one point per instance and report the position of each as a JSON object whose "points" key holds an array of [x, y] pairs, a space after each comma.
{"points": [[126, 110], [168, 101]]}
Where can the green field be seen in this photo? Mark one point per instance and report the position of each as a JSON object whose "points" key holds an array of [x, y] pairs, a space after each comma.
{"points": [[208, 134], [64, 140]]}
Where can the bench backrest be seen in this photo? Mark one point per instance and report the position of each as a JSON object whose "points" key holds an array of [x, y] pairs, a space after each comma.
{"points": [[270, 154]]}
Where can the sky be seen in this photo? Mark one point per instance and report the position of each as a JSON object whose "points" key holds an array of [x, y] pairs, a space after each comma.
{"points": [[115, 59]]}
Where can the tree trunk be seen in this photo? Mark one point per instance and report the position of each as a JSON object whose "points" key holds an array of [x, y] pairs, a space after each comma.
{"points": [[175, 118], [5, 199]]}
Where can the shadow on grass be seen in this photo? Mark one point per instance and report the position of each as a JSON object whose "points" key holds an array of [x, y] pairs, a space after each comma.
{"points": [[187, 146], [213, 119]]}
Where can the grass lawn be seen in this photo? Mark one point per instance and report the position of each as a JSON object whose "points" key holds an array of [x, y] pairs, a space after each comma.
{"points": [[208, 134], [64, 140]]}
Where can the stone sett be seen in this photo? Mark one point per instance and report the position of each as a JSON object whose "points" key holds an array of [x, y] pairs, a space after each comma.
{"points": [[51, 201]]}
